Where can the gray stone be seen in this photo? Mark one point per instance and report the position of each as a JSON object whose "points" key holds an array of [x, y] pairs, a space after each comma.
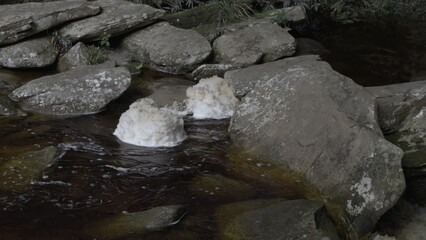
{"points": [[39, 52], [306, 46], [17, 173], [19, 21], [402, 115], [210, 70], [305, 125], [263, 42], [166, 91], [79, 91], [219, 187], [76, 56], [397, 101], [117, 17], [124, 224], [288, 220], [168, 49]]}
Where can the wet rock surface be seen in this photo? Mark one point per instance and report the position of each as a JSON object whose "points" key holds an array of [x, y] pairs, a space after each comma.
{"points": [[19, 21], [39, 52], [117, 17], [168, 49], [274, 124], [137, 223], [220, 187], [83, 90], [20, 171], [303, 219]]}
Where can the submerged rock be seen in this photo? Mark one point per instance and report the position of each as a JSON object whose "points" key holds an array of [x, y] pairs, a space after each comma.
{"points": [[79, 91], [144, 124], [211, 98], [211, 70], [117, 17], [219, 187], [39, 52], [315, 130], [7, 107], [19, 21], [75, 57], [168, 49], [17, 173], [170, 92], [296, 219], [137, 223], [262, 42]]}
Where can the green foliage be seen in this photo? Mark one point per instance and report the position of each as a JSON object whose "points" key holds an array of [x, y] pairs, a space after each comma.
{"points": [[171, 6], [60, 42], [97, 54], [234, 10]]}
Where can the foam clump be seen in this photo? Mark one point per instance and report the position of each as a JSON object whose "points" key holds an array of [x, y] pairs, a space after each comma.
{"points": [[144, 124], [211, 98]]}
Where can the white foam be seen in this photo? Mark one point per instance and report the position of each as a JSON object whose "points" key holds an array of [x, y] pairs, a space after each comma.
{"points": [[146, 125], [211, 98]]}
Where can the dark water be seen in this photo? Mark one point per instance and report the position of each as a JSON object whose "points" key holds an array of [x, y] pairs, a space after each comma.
{"points": [[99, 175]]}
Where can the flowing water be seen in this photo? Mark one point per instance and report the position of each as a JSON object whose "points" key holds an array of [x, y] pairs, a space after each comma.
{"points": [[99, 175]]}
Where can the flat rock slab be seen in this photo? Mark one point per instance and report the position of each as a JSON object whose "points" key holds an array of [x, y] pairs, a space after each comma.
{"points": [[287, 220], [259, 42], [39, 52], [79, 91], [19, 171], [314, 130], [19, 21], [117, 17], [125, 224], [168, 49]]}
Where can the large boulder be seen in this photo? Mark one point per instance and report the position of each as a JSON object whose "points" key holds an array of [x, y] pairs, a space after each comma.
{"points": [[77, 56], [275, 220], [22, 20], [259, 42], [314, 130], [82, 90], [168, 49], [125, 224], [38, 52], [117, 17]]}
